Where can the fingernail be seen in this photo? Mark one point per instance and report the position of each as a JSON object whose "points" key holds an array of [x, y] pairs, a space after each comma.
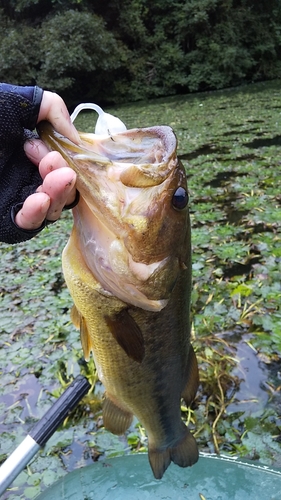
{"points": [[76, 137], [45, 205], [30, 148], [32, 151]]}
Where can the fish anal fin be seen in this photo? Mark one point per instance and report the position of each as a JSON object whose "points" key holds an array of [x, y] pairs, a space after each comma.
{"points": [[184, 453], [127, 333], [192, 378], [79, 322], [115, 418]]}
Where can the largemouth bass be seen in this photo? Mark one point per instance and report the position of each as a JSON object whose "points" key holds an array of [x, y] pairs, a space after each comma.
{"points": [[127, 265]]}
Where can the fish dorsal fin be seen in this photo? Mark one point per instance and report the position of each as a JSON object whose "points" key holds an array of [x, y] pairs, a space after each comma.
{"points": [[192, 378], [127, 333], [79, 322]]}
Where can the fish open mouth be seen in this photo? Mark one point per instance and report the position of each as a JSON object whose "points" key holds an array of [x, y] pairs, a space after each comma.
{"points": [[121, 180]]}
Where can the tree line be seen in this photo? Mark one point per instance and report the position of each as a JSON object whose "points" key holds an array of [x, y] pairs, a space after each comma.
{"points": [[125, 50]]}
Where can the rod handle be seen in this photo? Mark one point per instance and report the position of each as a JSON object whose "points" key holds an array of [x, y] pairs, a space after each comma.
{"points": [[48, 424]]}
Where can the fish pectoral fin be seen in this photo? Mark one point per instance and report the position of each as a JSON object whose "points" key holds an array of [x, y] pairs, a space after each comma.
{"points": [[115, 418], [79, 322], [192, 378], [127, 333], [184, 453]]}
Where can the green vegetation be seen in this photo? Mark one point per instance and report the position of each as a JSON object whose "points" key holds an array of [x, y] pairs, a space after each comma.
{"points": [[230, 144], [135, 49]]}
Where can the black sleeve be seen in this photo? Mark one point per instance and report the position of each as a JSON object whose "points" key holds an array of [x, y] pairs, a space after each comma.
{"points": [[19, 177]]}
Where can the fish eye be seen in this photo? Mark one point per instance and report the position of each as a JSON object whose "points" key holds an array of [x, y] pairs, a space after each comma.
{"points": [[180, 198]]}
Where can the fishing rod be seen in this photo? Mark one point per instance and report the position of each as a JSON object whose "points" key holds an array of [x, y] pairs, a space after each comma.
{"points": [[42, 431]]}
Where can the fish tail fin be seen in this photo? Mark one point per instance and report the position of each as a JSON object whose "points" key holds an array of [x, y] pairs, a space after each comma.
{"points": [[159, 461], [184, 454]]}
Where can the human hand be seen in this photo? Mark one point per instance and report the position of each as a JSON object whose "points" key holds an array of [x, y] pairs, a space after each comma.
{"points": [[58, 187]]}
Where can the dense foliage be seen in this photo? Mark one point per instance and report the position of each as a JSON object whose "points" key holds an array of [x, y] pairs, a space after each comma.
{"points": [[133, 49]]}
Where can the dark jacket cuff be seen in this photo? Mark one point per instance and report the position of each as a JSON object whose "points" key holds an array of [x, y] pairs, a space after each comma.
{"points": [[27, 234], [32, 94], [24, 234]]}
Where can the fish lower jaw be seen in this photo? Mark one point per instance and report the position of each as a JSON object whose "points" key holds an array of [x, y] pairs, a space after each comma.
{"points": [[111, 264], [122, 277], [130, 295]]}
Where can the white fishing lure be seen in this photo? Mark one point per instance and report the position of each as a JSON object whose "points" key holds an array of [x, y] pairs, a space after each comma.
{"points": [[106, 124]]}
